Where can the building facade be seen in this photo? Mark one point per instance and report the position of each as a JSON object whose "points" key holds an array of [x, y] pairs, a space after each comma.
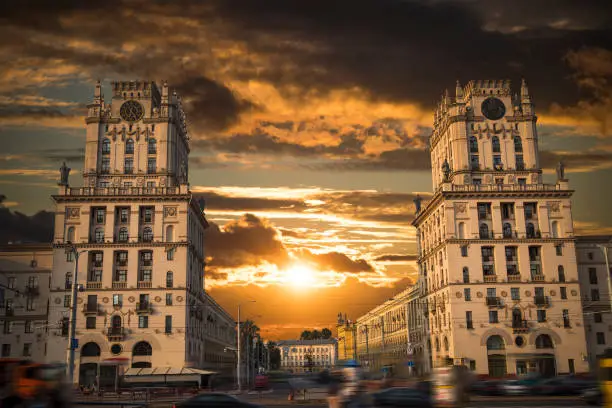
{"points": [[347, 338], [25, 270], [140, 236], [496, 244], [301, 356], [594, 274]]}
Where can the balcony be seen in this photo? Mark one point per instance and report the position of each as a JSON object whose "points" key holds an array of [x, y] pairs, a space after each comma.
{"points": [[493, 301], [541, 301], [489, 278], [120, 191], [91, 309], [32, 290], [9, 311], [94, 285], [537, 278], [144, 308], [144, 284], [116, 334], [520, 326], [119, 285], [486, 235], [514, 278]]}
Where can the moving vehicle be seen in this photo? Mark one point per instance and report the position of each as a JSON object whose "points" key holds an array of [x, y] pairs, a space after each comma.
{"points": [[486, 388], [24, 380], [514, 387], [593, 396], [401, 397], [214, 400]]}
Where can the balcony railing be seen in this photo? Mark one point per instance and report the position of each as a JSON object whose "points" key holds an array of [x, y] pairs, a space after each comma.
{"points": [[514, 278], [119, 285], [520, 326], [94, 285], [493, 301], [489, 278], [120, 191], [116, 333], [9, 311], [500, 187], [541, 301], [90, 308], [537, 278], [144, 284], [144, 307], [32, 290]]}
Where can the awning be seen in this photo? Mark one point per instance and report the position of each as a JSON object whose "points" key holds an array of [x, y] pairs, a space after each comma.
{"points": [[135, 372]]}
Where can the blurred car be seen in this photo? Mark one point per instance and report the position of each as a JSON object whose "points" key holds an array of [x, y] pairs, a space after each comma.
{"points": [[401, 397], [486, 388], [553, 386], [514, 387], [593, 396], [214, 400], [577, 385]]}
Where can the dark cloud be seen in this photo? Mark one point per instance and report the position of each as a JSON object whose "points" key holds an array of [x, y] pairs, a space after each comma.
{"points": [[402, 159], [336, 261], [18, 227], [217, 201], [396, 258], [576, 161]]}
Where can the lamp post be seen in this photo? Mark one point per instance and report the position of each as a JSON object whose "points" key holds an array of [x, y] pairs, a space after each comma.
{"points": [[72, 338], [238, 347]]}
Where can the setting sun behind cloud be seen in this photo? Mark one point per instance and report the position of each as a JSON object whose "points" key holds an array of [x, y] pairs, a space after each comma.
{"points": [[300, 276]]}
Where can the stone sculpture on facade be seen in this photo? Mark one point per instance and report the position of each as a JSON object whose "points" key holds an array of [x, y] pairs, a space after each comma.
{"points": [[446, 170], [560, 171], [64, 173], [417, 203]]}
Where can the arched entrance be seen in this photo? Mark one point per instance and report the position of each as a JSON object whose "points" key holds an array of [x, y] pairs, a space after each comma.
{"points": [[141, 355], [88, 364], [496, 356], [545, 362]]}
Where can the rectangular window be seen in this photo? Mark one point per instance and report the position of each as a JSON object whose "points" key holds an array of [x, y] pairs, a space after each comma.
{"points": [[593, 276], [8, 327], [530, 210], [124, 215], [484, 210], [121, 276], [90, 323], [150, 184], [515, 293], [70, 256], [522, 181], [30, 304], [601, 338], [597, 317], [491, 292], [464, 251], [66, 300], [468, 319], [168, 324], [151, 165], [168, 299], [570, 363], [128, 166], [65, 326], [559, 250], [563, 292], [566, 318], [6, 350], [170, 254], [541, 316], [507, 210], [147, 214], [27, 349], [143, 322], [493, 316], [595, 295], [117, 300], [10, 282], [497, 161], [476, 181], [467, 294], [474, 162], [539, 291], [487, 254], [29, 326], [520, 162], [99, 214], [105, 169], [146, 275]]}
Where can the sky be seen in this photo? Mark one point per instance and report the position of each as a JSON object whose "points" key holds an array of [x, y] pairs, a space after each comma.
{"points": [[308, 120]]}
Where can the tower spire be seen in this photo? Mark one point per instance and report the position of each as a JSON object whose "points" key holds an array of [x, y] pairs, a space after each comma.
{"points": [[524, 90], [458, 90]]}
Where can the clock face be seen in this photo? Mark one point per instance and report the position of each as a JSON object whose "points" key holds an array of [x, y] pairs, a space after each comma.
{"points": [[493, 108], [131, 111]]}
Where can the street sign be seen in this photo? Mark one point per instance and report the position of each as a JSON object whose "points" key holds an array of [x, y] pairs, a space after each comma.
{"points": [[411, 364], [75, 344]]}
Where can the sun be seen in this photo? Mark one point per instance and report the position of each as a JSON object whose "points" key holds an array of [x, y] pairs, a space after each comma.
{"points": [[300, 276]]}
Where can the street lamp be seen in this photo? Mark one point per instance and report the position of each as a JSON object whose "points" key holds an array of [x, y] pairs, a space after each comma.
{"points": [[72, 339], [238, 347]]}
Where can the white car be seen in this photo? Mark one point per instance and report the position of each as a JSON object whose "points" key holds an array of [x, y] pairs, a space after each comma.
{"points": [[514, 387]]}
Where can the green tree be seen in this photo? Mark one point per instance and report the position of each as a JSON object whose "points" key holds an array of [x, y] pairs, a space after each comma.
{"points": [[275, 355], [306, 335], [326, 333], [316, 335]]}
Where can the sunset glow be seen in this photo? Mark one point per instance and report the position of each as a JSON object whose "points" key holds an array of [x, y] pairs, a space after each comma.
{"points": [[300, 276]]}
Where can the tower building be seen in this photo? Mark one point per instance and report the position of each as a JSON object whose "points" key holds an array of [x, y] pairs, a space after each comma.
{"points": [[497, 256], [138, 233]]}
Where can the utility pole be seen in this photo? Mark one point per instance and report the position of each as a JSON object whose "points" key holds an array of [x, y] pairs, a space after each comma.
{"points": [[72, 339], [238, 368], [604, 249]]}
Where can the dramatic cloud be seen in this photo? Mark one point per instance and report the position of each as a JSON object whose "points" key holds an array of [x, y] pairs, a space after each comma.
{"points": [[21, 228], [396, 258]]}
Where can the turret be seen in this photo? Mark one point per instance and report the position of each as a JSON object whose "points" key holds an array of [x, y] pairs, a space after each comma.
{"points": [[458, 90], [526, 99]]}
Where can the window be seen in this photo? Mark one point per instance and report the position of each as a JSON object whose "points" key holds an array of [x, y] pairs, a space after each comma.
{"points": [[168, 324], [106, 146], [464, 251], [65, 325], [143, 322], [129, 146], [495, 144], [66, 300], [68, 281], [476, 181], [530, 230], [11, 282], [559, 250], [8, 327], [507, 230], [520, 162], [493, 318], [105, 165], [117, 300], [491, 292], [570, 364], [29, 326], [563, 292], [124, 215], [473, 144], [169, 233], [128, 165], [121, 275], [90, 323], [515, 293], [123, 235], [474, 163], [487, 254], [467, 294], [147, 234], [169, 279], [497, 162], [30, 304], [561, 273], [522, 181], [541, 316], [466, 275], [597, 318], [152, 146], [595, 295], [70, 234], [468, 320], [484, 210], [518, 144], [170, 254], [6, 350], [151, 165], [150, 184], [593, 276], [99, 213], [147, 214], [566, 319], [168, 299], [601, 338], [99, 235], [507, 211], [554, 229]]}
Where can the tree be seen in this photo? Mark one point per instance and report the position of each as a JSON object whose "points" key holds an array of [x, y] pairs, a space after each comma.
{"points": [[316, 335], [326, 333], [306, 335], [275, 355]]}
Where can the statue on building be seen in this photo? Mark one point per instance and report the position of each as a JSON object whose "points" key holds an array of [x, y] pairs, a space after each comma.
{"points": [[202, 204], [417, 203], [64, 173], [446, 170], [560, 171]]}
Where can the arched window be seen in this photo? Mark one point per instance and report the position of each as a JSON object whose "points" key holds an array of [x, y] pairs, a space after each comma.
{"points": [[90, 349], [152, 146], [70, 234], [142, 348], [99, 235], [561, 272], [142, 364], [530, 230], [68, 282], [484, 231], [116, 322], [543, 341], [437, 345], [496, 342], [554, 230], [518, 144], [123, 235], [473, 144], [517, 318], [446, 344], [147, 234], [169, 279], [495, 144], [507, 230], [129, 146], [169, 233], [461, 230], [466, 275], [106, 146]]}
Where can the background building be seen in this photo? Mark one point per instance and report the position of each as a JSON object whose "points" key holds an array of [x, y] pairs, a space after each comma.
{"points": [[140, 235], [347, 338], [496, 244], [300, 356], [25, 270], [594, 276]]}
